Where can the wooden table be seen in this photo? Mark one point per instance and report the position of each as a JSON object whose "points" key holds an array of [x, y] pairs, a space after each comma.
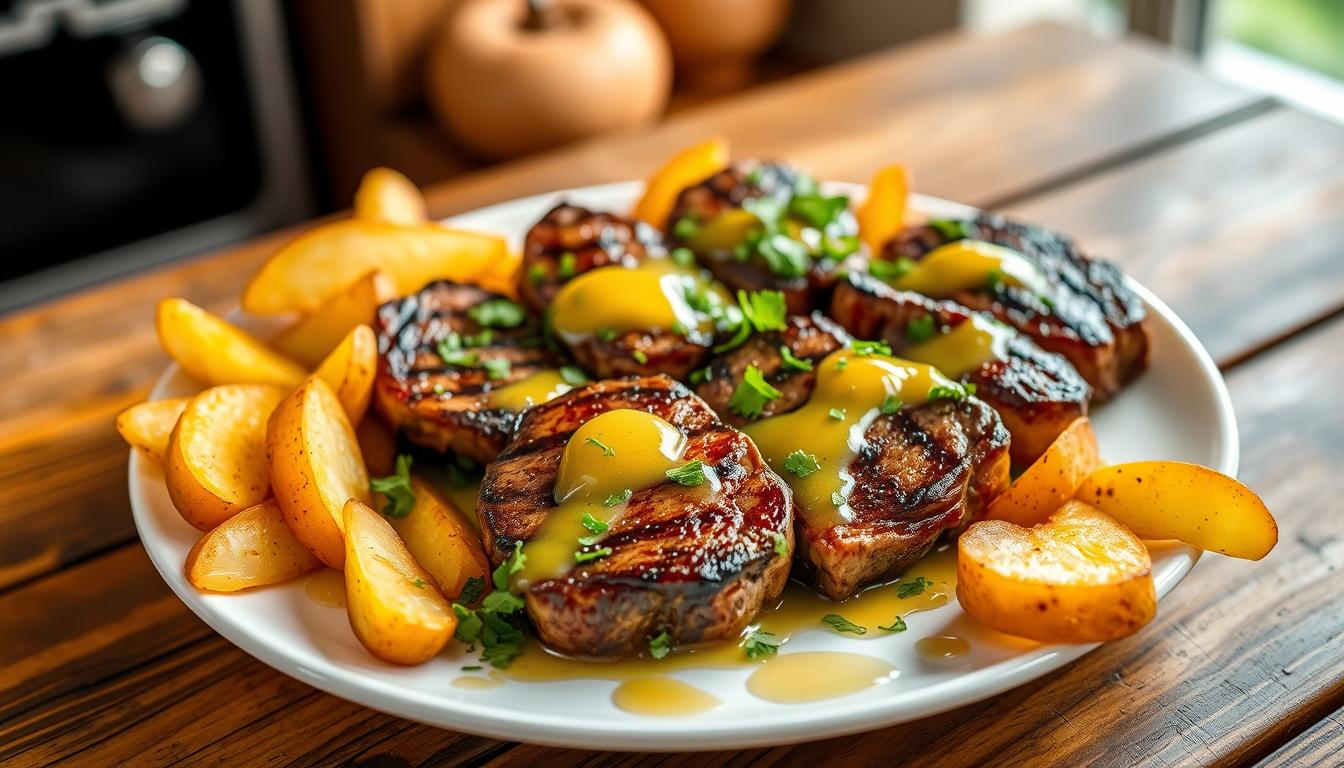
{"points": [[1228, 204]]}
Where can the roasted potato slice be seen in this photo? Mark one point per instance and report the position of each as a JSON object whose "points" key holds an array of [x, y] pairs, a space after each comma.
{"points": [[690, 166], [387, 195], [216, 352], [1080, 577], [441, 539], [395, 607], [1187, 502], [215, 465], [1052, 479], [882, 214], [253, 548], [330, 258], [316, 466], [350, 370], [313, 337], [148, 425]]}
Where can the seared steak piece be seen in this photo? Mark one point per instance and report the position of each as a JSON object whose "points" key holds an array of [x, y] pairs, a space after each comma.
{"points": [[728, 191], [445, 405], [807, 337], [639, 353], [1088, 315], [570, 240], [697, 563], [1037, 393], [925, 470]]}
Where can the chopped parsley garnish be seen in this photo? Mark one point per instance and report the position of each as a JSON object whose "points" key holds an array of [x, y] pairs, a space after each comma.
{"points": [[837, 413], [686, 227], [471, 591], [660, 645], [794, 363], [755, 175], [701, 375], [501, 642], [690, 473], [607, 450], [818, 211], [838, 498], [995, 279], [891, 405], [680, 329], [897, 625], [888, 270], [867, 348], [752, 394], [952, 229], [800, 463], [639, 356], [912, 588], [842, 364], [606, 334], [765, 310], [595, 527], [683, 257], [591, 555], [781, 544], [396, 488], [760, 644], [419, 583], [839, 247], [573, 375], [450, 349], [568, 264], [498, 313], [502, 601], [957, 392], [841, 624], [497, 368], [618, 498], [784, 256], [536, 273], [439, 389], [920, 329], [511, 565], [472, 668]]}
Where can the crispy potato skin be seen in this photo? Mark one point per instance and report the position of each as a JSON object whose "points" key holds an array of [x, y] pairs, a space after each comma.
{"points": [[316, 465], [350, 370], [1194, 504], [442, 540], [149, 425], [1079, 578], [253, 548], [1052, 479], [216, 459], [217, 352], [394, 606], [387, 195]]}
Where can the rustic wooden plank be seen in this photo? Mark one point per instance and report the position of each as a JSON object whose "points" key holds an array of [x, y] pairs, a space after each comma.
{"points": [[977, 118], [1242, 656], [1320, 744], [1239, 231]]}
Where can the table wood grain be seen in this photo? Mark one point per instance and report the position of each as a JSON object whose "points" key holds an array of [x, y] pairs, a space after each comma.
{"points": [[1225, 203]]}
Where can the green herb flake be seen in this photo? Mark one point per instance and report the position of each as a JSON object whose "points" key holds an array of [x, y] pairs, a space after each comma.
{"points": [[451, 351], [471, 591], [502, 601], [511, 565], [396, 489], [618, 498], [685, 228], [955, 392], [660, 645], [498, 368], [889, 270], [765, 310], [419, 583], [760, 644], [908, 589], [568, 264], [841, 624], [921, 329], [593, 524], [605, 335], [891, 405], [801, 463], [750, 396], [639, 356], [869, 348], [952, 229], [591, 555], [995, 279], [606, 450], [688, 474], [573, 375], [781, 544], [838, 498], [897, 625], [817, 210], [842, 364], [837, 413], [701, 375], [784, 256], [791, 362], [498, 313], [683, 257], [473, 668]]}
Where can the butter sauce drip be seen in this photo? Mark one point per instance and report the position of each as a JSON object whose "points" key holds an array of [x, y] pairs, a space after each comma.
{"points": [[656, 295], [976, 341], [968, 265], [540, 387]]}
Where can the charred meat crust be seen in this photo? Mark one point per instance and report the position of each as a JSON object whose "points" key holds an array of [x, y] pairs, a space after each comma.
{"points": [[728, 189], [661, 351], [1091, 317], [1037, 393], [807, 337], [441, 406], [596, 239], [696, 567], [925, 470]]}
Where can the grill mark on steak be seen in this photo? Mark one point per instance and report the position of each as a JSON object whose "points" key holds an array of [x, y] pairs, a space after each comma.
{"points": [[697, 568], [596, 238], [1037, 393], [441, 406], [1090, 316]]}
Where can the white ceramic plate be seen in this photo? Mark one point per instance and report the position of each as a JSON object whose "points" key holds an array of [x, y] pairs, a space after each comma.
{"points": [[1178, 410]]}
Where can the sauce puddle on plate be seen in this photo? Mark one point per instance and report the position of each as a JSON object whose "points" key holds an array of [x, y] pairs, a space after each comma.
{"points": [[476, 682], [662, 696], [326, 587], [796, 678], [942, 647]]}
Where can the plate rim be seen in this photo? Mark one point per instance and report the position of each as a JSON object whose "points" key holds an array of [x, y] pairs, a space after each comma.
{"points": [[643, 735]]}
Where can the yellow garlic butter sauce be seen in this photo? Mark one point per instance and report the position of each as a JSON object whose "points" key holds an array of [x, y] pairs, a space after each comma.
{"points": [[651, 296], [853, 388], [966, 347], [540, 387], [327, 588], [964, 265], [662, 696], [796, 678], [476, 682], [942, 647], [613, 452]]}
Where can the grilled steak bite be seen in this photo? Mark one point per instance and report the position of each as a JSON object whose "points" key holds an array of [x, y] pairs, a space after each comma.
{"points": [[806, 338], [931, 456], [643, 540], [570, 240], [1037, 393], [766, 226], [1068, 303], [457, 365]]}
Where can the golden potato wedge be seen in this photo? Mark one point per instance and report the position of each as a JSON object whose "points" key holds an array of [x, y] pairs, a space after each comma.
{"points": [[395, 607], [313, 337], [330, 258], [691, 165], [1080, 577], [387, 195], [215, 465], [882, 214], [441, 539], [1050, 480], [148, 425], [378, 445], [350, 369], [253, 548], [1174, 500], [315, 467], [216, 352]]}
